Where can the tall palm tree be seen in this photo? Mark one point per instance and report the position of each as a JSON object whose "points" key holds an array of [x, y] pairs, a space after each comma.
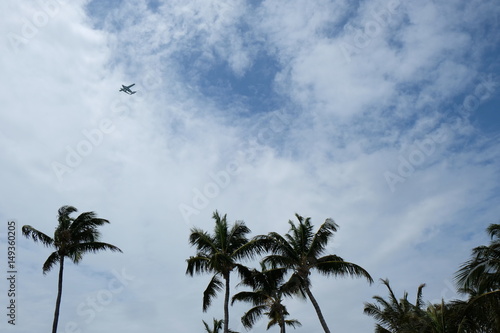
{"points": [[73, 238], [219, 254], [266, 297], [301, 250], [398, 316]]}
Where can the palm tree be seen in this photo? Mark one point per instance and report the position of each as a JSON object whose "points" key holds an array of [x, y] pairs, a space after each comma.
{"points": [[267, 297], [217, 326], [482, 271], [479, 277], [72, 239], [398, 316], [219, 254], [300, 251]]}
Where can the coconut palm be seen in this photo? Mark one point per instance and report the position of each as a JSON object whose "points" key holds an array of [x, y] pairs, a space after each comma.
{"points": [[219, 254], [482, 271], [398, 316], [266, 297], [217, 326], [73, 238], [301, 250], [479, 277]]}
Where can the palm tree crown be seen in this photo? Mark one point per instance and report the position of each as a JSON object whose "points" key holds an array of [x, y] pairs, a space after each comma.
{"points": [[217, 326], [266, 297], [301, 250], [398, 316]]}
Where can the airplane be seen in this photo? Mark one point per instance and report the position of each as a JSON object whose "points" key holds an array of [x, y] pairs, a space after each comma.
{"points": [[126, 89]]}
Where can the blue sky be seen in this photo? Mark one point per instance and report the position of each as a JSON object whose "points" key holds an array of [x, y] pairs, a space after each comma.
{"points": [[383, 115]]}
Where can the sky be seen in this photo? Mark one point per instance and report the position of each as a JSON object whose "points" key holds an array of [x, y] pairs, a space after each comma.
{"points": [[382, 115]]}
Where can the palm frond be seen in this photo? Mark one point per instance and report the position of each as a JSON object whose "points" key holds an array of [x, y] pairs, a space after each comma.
{"points": [[282, 246], [249, 249], [321, 238], [220, 230], [295, 286], [244, 272], [419, 302], [380, 329], [207, 328], [37, 236], [215, 285], [334, 265], [293, 323], [198, 265], [237, 236], [53, 259], [272, 322], [86, 235], [494, 231], [202, 241], [66, 210], [301, 235], [392, 296], [250, 317], [254, 297], [278, 261], [87, 220], [75, 251], [217, 326], [63, 217]]}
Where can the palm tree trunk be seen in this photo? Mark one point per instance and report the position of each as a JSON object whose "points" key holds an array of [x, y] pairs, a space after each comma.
{"points": [[318, 310], [282, 326], [59, 294], [281, 320], [226, 304]]}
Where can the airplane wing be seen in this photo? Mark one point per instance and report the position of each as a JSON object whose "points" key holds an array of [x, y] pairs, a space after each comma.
{"points": [[133, 84]]}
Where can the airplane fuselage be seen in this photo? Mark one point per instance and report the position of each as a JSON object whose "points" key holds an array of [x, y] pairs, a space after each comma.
{"points": [[127, 89]]}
